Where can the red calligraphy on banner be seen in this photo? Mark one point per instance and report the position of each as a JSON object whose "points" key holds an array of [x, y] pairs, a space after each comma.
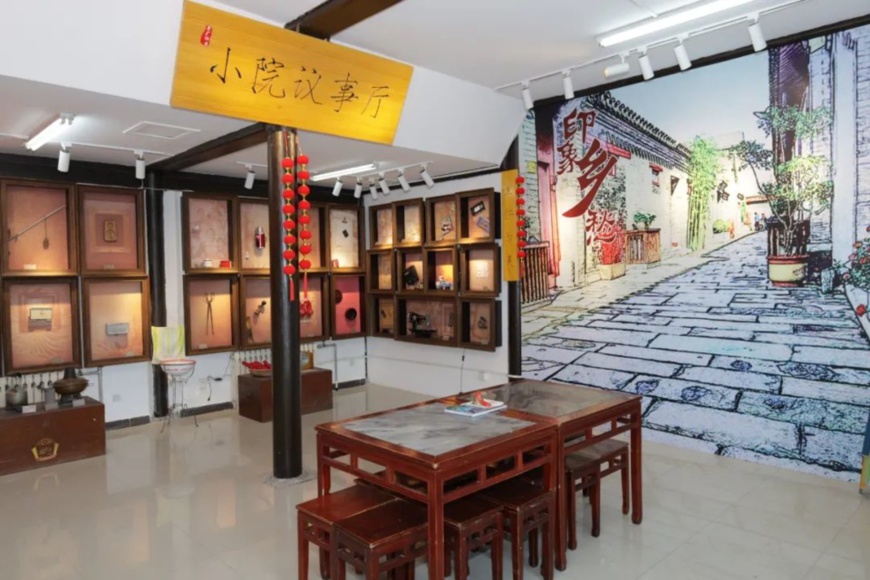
{"points": [[594, 166]]}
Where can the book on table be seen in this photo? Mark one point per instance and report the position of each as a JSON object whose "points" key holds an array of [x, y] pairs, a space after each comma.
{"points": [[474, 409]]}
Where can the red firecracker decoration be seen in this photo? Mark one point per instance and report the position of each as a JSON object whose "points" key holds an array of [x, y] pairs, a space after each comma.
{"points": [[304, 221], [289, 210], [521, 223]]}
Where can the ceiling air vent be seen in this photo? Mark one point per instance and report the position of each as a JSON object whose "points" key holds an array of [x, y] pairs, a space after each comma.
{"points": [[160, 131]]}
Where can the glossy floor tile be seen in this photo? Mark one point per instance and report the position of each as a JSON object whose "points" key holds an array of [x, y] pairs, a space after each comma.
{"points": [[193, 503]]}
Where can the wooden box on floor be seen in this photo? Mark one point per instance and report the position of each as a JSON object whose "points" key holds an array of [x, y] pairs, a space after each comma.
{"points": [[47, 437], [255, 394]]}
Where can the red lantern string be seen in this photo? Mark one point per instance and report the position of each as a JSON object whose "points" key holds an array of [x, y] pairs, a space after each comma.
{"points": [[289, 222], [521, 224], [304, 221]]}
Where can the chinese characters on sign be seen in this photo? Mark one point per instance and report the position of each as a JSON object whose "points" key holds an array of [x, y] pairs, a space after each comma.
{"points": [[509, 238], [594, 166]]}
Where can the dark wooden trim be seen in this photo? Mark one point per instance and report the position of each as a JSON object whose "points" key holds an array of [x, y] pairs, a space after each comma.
{"points": [[137, 194], [715, 59], [82, 172], [193, 411], [86, 319], [155, 232], [125, 423], [244, 138], [334, 16]]}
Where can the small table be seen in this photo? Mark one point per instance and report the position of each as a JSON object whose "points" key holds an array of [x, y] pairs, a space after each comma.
{"points": [[435, 457], [255, 394], [51, 436]]}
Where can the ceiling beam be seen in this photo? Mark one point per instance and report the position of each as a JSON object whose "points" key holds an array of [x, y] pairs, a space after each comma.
{"points": [[334, 16], [240, 140]]}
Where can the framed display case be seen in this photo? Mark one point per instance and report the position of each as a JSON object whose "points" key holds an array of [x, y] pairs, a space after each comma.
{"points": [[383, 316], [116, 321], [480, 269], [410, 270], [348, 306], [314, 309], [211, 314], [381, 271], [39, 229], [345, 241], [381, 224], [428, 320], [41, 322], [256, 313], [481, 324], [410, 225], [441, 270], [253, 236], [478, 218], [318, 255], [112, 234], [442, 221], [208, 239]]}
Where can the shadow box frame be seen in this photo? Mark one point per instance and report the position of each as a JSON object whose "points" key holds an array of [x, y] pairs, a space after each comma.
{"points": [[75, 324], [373, 226], [375, 315], [363, 325], [465, 267], [240, 202], [431, 268], [244, 281], [401, 313], [465, 322], [145, 293], [431, 238], [361, 267], [232, 234], [142, 270], [325, 305], [373, 271], [324, 267], [234, 313], [399, 209], [399, 271], [72, 237], [463, 236]]}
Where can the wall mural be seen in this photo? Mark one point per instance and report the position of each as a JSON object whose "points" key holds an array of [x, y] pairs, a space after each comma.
{"points": [[707, 244]]}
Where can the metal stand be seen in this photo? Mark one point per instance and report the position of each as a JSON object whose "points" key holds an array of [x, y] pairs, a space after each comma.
{"points": [[178, 371]]}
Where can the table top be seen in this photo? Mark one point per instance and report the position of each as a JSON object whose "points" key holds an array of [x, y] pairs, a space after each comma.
{"points": [[10, 415]]}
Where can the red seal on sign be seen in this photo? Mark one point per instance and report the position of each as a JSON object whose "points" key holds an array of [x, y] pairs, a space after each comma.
{"points": [[205, 38]]}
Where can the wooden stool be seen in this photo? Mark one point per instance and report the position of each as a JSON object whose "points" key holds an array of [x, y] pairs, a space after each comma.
{"points": [[470, 524], [386, 539], [316, 518], [584, 470], [526, 509]]}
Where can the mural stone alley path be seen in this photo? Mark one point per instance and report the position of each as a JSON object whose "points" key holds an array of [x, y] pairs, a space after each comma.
{"points": [[726, 362]]}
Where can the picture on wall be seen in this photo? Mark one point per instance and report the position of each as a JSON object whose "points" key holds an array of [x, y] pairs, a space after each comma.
{"points": [[254, 217], [116, 321], [111, 228], [344, 238], [443, 223], [742, 181], [36, 223], [209, 233], [256, 312], [348, 315], [210, 315]]}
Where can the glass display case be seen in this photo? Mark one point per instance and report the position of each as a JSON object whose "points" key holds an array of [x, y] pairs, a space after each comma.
{"points": [[383, 318], [348, 306], [313, 309], [410, 270], [381, 219], [441, 270], [256, 298], [116, 321], [254, 233], [410, 225], [208, 242], [211, 314], [442, 223], [478, 216], [381, 272], [427, 320], [480, 269], [112, 232], [481, 324], [345, 243]]}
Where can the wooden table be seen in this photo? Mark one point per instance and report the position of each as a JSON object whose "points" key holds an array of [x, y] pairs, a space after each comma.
{"points": [[449, 456], [575, 412]]}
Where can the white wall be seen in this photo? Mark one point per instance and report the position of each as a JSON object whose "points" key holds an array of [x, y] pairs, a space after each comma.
{"points": [[433, 370]]}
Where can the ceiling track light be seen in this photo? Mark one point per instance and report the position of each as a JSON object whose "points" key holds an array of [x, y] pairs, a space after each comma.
{"points": [[250, 176], [567, 85], [51, 132], [427, 179], [403, 182], [64, 157], [140, 164], [357, 189], [373, 191], [382, 183], [682, 56], [646, 68], [757, 35], [527, 96], [343, 172], [336, 189], [617, 70]]}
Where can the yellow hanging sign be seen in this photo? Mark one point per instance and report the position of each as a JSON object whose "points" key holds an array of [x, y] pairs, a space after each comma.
{"points": [[510, 262], [237, 67]]}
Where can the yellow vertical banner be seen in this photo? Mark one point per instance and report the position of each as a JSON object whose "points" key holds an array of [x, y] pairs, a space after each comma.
{"points": [[510, 262]]}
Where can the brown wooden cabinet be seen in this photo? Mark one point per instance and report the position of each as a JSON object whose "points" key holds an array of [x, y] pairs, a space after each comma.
{"points": [[255, 394], [644, 246]]}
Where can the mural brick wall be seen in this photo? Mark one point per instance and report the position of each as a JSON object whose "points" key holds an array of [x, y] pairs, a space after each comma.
{"points": [[529, 169]]}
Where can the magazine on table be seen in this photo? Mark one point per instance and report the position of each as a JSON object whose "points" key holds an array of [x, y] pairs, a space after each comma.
{"points": [[476, 408]]}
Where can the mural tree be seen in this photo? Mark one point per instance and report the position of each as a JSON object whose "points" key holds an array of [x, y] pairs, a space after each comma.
{"points": [[704, 166]]}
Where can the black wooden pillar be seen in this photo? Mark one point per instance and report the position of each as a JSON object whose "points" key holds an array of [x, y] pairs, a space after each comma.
{"points": [[154, 234], [286, 364]]}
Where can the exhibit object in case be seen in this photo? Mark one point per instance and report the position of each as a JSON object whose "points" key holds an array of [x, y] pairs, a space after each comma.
{"points": [[39, 226], [477, 216], [481, 324], [211, 314], [381, 278], [313, 320], [442, 221], [410, 270], [409, 223], [383, 316], [42, 326], [208, 233], [256, 324], [116, 322], [253, 231], [441, 270], [344, 238], [481, 269], [112, 232], [427, 320], [348, 314], [382, 218]]}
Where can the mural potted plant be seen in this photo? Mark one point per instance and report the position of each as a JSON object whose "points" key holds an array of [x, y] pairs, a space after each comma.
{"points": [[644, 219], [856, 277], [799, 189], [611, 256]]}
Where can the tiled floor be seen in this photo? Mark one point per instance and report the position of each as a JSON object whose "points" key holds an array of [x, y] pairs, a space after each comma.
{"points": [[192, 504]]}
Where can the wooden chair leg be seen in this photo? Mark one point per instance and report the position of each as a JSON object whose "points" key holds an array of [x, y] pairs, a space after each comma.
{"points": [[336, 565], [517, 548], [626, 493], [449, 549], [411, 569], [302, 549], [497, 548], [372, 568], [572, 513], [324, 564], [534, 556], [462, 559], [595, 495]]}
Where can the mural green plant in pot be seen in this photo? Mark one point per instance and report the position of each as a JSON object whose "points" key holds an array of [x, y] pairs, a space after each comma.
{"points": [[800, 188], [646, 219], [856, 276]]}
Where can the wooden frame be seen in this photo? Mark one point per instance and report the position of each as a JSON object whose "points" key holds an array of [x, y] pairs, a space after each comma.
{"points": [[406, 306], [88, 290], [437, 220], [251, 259], [91, 227], [377, 277], [382, 322], [30, 225], [191, 253], [319, 241], [480, 326], [403, 229], [470, 271], [260, 323], [44, 316], [233, 308], [374, 227], [434, 268], [403, 264], [332, 235], [316, 283], [479, 216], [340, 310]]}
